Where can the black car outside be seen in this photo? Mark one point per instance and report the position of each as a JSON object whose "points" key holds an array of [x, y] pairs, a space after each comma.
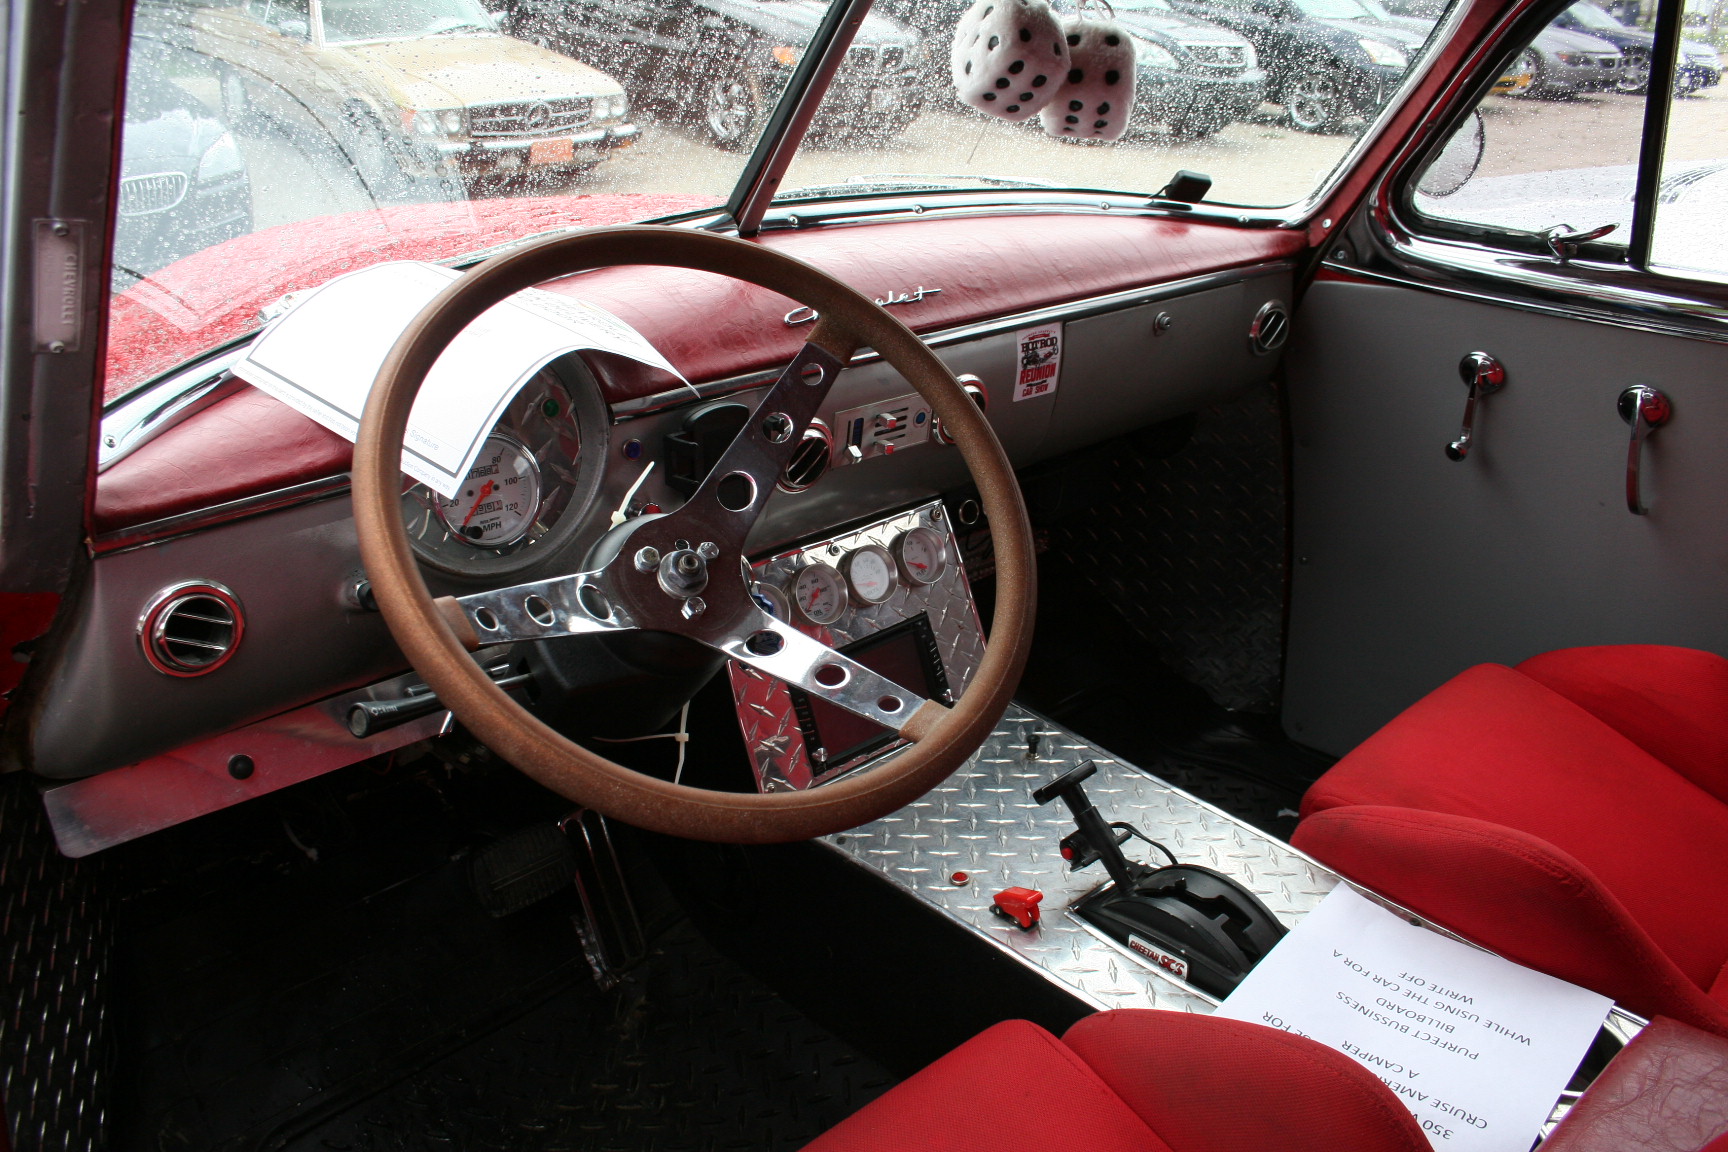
{"points": [[1699, 66], [183, 182], [1191, 76], [720, 64], [1325, 60]]}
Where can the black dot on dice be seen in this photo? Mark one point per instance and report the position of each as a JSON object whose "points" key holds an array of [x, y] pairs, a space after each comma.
{"points": [[1002, 83], [1072, 119], [1103, 108], [1075, 106], [994, 40], [1073, 38], [1075, 75], [1017, 67], [1112, 76], [1038, 81], [1100, 123], [1067, 129], [1112, 39], [1012, 108], [989, 95], [1025, 35], [967, 71], [987, 11], [1025, 96], [1057, 48]]}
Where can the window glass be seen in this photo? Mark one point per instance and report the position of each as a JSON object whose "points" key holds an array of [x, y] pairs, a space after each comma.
{"points": [[269, 145], [1692, 205], [1559, 138], [1264, 96]]}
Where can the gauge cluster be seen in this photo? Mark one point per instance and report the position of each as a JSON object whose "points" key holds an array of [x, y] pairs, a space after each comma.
{"points": [[892, 595], [526, 493], [821, 593]]}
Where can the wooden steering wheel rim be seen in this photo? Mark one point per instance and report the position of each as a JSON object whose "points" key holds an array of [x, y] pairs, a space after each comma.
{"points": [[849, 320]]}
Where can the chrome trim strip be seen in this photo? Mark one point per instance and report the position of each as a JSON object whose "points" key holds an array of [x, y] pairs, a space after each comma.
{"points": [[1071, 310], [1597, 293], [141, 417], [183, 523]]}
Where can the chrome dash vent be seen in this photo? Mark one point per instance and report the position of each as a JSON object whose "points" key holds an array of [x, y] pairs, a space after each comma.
{"points": [[191, 629], [1270, 329], [810, 459]]}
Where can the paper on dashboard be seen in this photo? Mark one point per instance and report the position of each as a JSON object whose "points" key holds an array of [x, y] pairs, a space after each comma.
{"points": [[1476, 1047], [322, 356]]}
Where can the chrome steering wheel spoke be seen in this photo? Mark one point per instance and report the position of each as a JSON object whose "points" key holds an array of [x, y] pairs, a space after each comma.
{"points": [[777, 648], [726, 504], [545, 610]]}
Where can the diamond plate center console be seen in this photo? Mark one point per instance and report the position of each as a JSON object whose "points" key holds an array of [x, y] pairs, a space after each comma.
{"points": [[893, 596]]}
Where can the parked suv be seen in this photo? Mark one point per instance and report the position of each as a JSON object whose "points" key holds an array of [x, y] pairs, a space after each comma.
{"points": [[404, 88], [1192, 76], [721, 64], [1325, 60], [1700, 66]]}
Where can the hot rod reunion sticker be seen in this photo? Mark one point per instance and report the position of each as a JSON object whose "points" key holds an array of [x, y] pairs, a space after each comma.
{"points": [[1039, 367]]}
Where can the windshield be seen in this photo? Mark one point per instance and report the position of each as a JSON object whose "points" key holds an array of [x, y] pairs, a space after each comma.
{"points": [[347, 20], [1593, 17], [270, 145], [1333, 9]]}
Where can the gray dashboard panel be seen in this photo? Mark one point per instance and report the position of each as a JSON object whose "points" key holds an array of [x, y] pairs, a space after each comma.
{"points": [[105, 707], [1410, 568]]}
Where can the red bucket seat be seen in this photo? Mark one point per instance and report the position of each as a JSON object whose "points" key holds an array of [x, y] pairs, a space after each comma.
{"points": [[1134, 1081], [1570, 813]]}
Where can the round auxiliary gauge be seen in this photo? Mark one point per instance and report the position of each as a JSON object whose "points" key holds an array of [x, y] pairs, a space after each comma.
{"points": [[923, 555], [771, 600], [497, 502], [820, 593], [870, 572]]}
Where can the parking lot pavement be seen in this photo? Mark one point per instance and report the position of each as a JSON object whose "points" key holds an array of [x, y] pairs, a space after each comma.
{"points": [[1260, 162], [1530, 135]]}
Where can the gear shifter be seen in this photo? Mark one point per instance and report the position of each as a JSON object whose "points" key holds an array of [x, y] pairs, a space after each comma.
{"points": [[1197, 924]]}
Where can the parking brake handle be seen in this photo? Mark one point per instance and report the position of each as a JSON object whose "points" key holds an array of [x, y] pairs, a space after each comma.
{"points": [[1484, 375]]}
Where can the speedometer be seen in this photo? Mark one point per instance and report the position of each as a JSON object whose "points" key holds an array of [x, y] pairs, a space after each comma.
{"points": [[497, 502]]}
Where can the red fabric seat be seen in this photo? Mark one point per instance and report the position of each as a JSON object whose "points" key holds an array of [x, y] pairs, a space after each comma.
{"points": [[1134, 1081], [1570, 813]]}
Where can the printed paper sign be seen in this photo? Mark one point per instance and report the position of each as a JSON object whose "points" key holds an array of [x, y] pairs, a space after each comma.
{"points": [[1477, 1047], [1040, 364], [321, 357]]}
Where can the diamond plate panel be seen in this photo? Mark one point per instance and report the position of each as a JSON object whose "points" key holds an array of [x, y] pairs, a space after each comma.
{"points": [[54, 1030], [765, 714], [1188, 545], [983, 822]]}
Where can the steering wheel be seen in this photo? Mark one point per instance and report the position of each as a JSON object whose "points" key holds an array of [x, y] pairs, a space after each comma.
{"points": [[685, 572]]}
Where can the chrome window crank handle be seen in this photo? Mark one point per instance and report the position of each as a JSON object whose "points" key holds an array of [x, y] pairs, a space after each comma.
{"points": [[1646, 410], [1485, 376]]}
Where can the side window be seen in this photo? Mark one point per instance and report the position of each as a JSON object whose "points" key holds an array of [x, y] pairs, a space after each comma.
{"points": [[1549, 161], [1692, 201]]}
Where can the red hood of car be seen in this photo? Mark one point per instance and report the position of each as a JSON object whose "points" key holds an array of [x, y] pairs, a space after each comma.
{"points": [[214, 295]]}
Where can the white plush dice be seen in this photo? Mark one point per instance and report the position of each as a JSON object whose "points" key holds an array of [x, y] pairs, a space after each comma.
{"points": [[1009, 57], [1097, 95]]}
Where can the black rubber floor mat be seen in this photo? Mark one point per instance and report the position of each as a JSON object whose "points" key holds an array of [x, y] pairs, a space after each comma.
{"points": [[688, 1052], [317, 972]]}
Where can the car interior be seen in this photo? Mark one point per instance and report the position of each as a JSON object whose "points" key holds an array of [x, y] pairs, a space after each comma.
{"points": [[980, 560]]}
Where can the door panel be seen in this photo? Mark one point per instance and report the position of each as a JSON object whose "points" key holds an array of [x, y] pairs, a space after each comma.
{"points": [[1410, 567]]}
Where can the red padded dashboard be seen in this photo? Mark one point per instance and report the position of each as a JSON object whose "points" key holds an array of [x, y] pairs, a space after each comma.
{"points": [[711, 327]]}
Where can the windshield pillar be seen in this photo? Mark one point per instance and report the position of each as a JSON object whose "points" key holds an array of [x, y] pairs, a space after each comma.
{"points": [[63, 63], [792, 116]]}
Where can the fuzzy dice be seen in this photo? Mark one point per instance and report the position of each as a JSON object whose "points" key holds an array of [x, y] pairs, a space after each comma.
{"points": [[1010, 57], [1097, 95]]}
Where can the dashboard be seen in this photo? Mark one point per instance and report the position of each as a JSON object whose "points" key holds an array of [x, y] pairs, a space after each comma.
{"points": [[240, 495]]}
